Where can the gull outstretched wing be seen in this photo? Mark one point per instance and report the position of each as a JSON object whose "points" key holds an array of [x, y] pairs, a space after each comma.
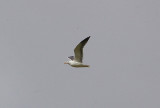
{"points": [[78, 51]]}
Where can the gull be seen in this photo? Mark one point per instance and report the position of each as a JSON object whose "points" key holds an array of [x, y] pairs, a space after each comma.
{"points": [[76, 61]]}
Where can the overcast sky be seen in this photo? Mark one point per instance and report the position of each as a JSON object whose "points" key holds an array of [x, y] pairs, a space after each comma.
{"points": [[37, 36]]}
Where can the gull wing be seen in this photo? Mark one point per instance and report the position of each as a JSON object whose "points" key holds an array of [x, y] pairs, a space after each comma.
{"points": [[71, 57], [78, 51]]}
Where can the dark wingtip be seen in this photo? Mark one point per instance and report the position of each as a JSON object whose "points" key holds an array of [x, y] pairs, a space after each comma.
{"points": [[84, 41], [87, 38]]}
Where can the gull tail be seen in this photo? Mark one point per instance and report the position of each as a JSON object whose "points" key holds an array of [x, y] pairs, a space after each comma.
{"points": [[78, 66], [86, 65]]}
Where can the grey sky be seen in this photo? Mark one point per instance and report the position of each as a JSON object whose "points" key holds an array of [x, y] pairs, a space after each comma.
{"points": [[37, 36]]}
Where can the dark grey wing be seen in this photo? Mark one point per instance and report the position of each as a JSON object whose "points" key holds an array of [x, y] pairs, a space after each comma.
{"points": [[71, 57], [78, 51]]}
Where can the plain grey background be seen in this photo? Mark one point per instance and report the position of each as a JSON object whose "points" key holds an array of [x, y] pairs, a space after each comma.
{"points": [[37, 36]]}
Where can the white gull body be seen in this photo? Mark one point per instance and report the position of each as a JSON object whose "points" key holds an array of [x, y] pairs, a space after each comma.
{"points": [[76, 61]]}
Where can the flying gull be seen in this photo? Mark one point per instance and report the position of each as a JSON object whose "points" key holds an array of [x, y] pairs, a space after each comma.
{"points": [[76, 61]]}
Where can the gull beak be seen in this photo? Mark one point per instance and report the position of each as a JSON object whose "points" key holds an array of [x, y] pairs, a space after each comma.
{"points": [[65, 63]]}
